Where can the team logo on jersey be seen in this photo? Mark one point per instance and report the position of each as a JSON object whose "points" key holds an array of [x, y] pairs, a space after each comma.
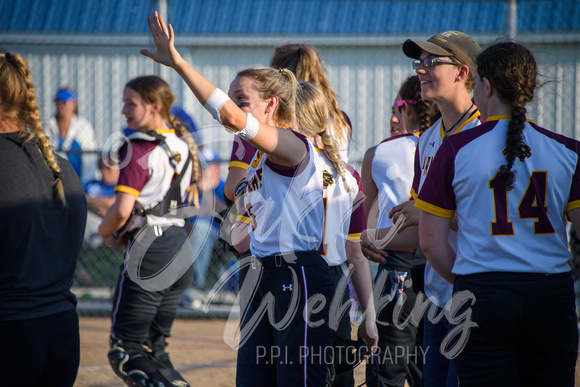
{"points": [[327, 179], [525, 152], [257, 159], [175, 157]]}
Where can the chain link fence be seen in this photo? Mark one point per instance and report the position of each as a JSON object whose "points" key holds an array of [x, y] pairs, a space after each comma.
{"points": [[99, 267], [364, 70]]}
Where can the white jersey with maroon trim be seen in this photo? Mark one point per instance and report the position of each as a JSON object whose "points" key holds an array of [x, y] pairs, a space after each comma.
{"points": [[392, 172], [436, 288], [344, 212], [146, 173], [284, 205], [529, 234]]}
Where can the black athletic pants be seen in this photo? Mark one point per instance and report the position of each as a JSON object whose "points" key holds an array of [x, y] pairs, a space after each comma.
{"points": [[526, 333], [145, 317], [285, 337], [400, 356], [43, 351]]}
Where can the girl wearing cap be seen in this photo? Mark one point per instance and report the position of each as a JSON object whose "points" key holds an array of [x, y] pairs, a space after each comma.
{"points": [[510, 202], [73, 134], [445, 65], [387, 174], [283, 199]]}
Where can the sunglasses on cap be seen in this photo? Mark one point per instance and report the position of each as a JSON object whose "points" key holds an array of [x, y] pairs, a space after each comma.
{"points": [[430, 62]]}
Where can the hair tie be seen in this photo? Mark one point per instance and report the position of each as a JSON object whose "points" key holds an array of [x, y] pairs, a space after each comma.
{"points": [[281, 71], [56, 175], [322, 133], [9, 57]]}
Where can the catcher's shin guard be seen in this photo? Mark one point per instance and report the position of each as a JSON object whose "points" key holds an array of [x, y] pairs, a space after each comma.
{"points": [[134, 378], [143, 371]]}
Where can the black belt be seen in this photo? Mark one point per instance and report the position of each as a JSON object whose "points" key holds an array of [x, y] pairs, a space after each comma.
{"points": [[300, 258]]}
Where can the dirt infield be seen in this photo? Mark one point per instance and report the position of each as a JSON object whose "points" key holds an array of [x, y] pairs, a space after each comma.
{"points": [[197, 349]]}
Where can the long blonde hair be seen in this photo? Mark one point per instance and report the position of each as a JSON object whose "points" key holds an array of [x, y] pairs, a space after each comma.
{"points": [[303, 60], [19, 107], [313, 115], [152, 89]]}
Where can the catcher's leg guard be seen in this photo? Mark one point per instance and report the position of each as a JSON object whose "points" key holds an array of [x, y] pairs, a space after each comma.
{"points": [[141, 370], [134, 378], [168, 377]]}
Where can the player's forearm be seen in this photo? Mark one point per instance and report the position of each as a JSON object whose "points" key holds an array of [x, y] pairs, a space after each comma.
{"points": [[403, 240], [433, 235], [112, 221], [240, 236], [117, 215], [361, 278]]}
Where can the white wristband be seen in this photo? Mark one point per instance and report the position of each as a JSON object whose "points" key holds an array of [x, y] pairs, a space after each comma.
{"points": [[215, 103], [251, 129]]}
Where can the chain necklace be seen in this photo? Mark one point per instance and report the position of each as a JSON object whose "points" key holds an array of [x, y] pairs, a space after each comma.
{"points": [[447, 131]]}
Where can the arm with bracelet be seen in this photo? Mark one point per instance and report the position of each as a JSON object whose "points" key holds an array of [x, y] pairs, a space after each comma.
{"points": [[281, 145]]}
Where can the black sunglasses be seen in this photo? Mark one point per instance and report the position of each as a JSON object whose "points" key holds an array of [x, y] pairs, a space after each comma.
{"points": [[430, 62]]}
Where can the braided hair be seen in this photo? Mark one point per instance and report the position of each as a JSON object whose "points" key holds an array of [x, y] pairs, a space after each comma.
{"points": [[152, 89], [19, 107], [512, 70], [425, 112], [313, 121]]}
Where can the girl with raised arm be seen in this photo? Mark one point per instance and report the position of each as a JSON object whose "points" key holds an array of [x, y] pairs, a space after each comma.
{"points": [[283, 201]]}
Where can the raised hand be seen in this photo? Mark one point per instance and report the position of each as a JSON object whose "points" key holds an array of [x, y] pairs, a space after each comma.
{"points": [[164, 40]]}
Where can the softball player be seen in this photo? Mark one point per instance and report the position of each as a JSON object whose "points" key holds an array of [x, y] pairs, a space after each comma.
{"points": [[284, 349], [387, 176], [344, 222], [510, 184], [159, 168], [445, 65]]}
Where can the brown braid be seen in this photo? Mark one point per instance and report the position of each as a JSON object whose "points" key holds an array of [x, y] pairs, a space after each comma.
{"points": [[312, 114], [193, 196], [19, 105], [512, 70], [303, 60], [331, 151], [425, 113]]}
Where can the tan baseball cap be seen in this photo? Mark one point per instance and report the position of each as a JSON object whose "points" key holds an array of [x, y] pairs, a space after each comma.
{"points": [[449, 43]]}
